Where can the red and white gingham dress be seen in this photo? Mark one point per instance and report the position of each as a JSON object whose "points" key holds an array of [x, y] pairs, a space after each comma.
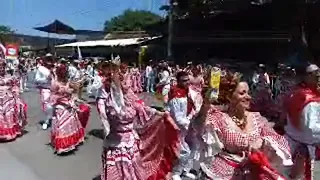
{"points": [[237, 142], [138, 146], [66, 132], [10, 128]]}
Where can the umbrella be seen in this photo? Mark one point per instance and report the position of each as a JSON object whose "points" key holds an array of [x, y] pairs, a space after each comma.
{"points": [[56, 27]]}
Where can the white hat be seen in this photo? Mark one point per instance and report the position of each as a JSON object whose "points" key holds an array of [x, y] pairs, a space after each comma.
{"points": [[261, 65], [311, 68], [48, 55]]}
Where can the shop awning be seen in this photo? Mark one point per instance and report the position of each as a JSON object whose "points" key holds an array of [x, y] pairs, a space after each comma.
{"points": [[110, 43]]}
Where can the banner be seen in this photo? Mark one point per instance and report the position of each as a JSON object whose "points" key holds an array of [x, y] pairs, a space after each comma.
{"points": [[12, 51]]}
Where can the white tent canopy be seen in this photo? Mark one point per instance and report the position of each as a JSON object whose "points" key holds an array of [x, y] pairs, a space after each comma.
{"points": [[114, 42]]}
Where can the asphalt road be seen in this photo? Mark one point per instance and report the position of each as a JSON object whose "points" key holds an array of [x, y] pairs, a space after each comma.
{"points": [[31, 158]]}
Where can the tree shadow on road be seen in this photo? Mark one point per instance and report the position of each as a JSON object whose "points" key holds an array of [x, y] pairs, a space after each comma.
{"points": [[98, 133]]}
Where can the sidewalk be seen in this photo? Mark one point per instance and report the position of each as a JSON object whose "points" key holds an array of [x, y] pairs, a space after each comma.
{"points": [[11, 168]]}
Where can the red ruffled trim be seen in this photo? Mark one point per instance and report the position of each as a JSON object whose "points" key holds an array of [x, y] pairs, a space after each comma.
{"points": [[67, 142], [169, 153], [84, 114], [258, 161], [10, 133], [259, 165]]}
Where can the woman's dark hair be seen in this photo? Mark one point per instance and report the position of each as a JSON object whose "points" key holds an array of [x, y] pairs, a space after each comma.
{"points": [[61, 72], [228, 84], [181, 74]]}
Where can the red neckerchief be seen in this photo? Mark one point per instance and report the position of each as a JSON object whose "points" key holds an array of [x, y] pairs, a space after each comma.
{"points": [[100, 73], [176, 92], [299, 99]]}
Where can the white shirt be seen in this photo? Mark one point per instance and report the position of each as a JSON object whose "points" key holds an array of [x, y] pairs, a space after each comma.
{"points": [[74, 73], [164, 77], [10, 66], [310, 129], [310, 122], [90, 71], [148, 71], [178, 108], [42, 76]]}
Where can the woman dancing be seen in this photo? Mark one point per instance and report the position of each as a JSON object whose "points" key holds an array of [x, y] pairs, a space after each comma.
{"points": [[237, 143], [140, 141], [67, 132], [11, 119]]}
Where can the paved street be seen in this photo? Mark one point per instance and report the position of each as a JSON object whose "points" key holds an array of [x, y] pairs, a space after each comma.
{"points": [[31, 158]]}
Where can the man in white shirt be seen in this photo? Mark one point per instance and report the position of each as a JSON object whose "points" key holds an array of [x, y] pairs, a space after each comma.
{"points": [[73, 71], [91, 75], [43, 82], [76, 76], [303, 124], [184, 105], [149, 78], [10, 67]]}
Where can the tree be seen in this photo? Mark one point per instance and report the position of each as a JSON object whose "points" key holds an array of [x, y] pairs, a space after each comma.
{"points": [[5, 32], [132, 20]]}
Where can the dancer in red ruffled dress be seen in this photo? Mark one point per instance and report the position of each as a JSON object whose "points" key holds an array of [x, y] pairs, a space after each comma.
{"points": [[11, 124], [139, 143], [136, 80], [238, 144], [67, 131]]}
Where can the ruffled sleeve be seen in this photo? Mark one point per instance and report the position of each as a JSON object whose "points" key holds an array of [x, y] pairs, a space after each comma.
{"points": [[146, 115], [278, 144], [212, 144], [102, 109], [197, 102]]}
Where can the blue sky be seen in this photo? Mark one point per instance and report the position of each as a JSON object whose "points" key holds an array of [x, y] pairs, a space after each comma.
{"points": [[23, 15]]}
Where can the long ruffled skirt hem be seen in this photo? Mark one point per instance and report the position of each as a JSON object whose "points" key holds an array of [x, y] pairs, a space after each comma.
{"points": [[161, 160], [67, 144], [9, 134]]}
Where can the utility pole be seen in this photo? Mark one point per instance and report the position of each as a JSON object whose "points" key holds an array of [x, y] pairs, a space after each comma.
{"points": [[170, 27]]}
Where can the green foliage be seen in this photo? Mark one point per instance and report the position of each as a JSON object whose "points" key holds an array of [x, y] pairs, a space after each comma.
{"points": [[132, 20], [206, 8], [5, 32], [5, 29]]}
